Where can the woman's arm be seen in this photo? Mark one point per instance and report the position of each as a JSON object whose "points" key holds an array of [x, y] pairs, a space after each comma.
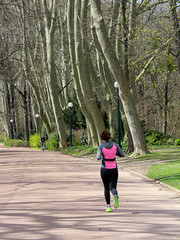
{"points": [[99, 153], [120, 152]]}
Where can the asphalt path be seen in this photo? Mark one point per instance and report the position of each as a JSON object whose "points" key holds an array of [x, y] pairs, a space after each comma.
{"points": [[51, 196]]}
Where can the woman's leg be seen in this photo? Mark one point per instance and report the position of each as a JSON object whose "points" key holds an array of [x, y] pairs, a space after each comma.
{"points": [[113, 181], [113, 186], [105, 179]]}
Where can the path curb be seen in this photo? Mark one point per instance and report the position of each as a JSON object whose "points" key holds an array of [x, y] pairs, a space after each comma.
{"points": [[151, 180], [147, 179]]}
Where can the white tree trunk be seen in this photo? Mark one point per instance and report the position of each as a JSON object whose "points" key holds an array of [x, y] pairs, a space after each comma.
{"points": [[89, 120], [81, 52], [124, 88], [49, 18]]}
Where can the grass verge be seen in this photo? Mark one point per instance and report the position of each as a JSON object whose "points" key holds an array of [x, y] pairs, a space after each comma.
{"points": [[80, 150], [160, 155], [166, 173], [166, 162]]}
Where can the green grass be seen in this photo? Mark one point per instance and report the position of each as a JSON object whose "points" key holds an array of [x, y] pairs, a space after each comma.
{"points": [[154, 147], [165, 154], [84, 150], [166, 173], [80, 150], [169, 171]]}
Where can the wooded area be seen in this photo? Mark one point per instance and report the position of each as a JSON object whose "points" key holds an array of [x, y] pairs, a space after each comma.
{"points": [[58, 51]]}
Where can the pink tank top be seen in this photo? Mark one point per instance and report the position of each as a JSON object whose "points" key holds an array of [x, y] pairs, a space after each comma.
{"points": [[110, 154]]}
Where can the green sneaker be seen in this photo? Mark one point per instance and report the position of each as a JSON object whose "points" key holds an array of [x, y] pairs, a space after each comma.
{"points": [[116, 202], [108, 209]]}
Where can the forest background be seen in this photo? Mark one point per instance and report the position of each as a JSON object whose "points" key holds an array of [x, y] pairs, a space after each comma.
{"points": [[58, 51]]}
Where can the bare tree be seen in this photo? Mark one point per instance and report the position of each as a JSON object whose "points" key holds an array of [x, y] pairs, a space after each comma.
{"points": [[124, 88]]}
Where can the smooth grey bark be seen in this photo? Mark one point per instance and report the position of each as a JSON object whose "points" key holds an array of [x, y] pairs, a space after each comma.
{"points": [[40, 85], [26, 72], [125, 59], [41, 111], [82, 61], [165, 108], [3, 111], [30, 58], [124, 88], [30, 109], [125, 32], [92, 133], [13, 107], [8, 108], [107, 87], [64, 72], [49, 18], [37, 86], [26, 113], [176, 30], [114, 21]]}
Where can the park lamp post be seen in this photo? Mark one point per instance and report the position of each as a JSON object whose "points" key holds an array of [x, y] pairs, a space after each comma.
{"points": [[116, 85], [70, 105], [11, 123], [37, 116]]}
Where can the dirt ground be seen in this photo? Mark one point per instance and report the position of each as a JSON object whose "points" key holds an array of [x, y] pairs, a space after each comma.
{"points": [[53, 196]]}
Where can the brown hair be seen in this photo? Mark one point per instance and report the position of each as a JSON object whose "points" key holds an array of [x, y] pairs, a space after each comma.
{"points": [[105, 135]]}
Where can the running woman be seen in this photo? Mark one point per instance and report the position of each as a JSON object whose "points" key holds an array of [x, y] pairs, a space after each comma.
{"points": [[107, 151]]}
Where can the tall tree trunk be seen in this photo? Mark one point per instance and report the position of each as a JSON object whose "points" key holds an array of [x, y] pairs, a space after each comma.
{"points": [[124, 88], [30, 110], [41, 98], [8, 108], [26, 72], [70, 26], [175, 21], [49, 17], [165, 110], [126, 32], [106, 88], [65, 74], [13, 108], [26, 114], [81, 51], [125, 37], [112, 30]]}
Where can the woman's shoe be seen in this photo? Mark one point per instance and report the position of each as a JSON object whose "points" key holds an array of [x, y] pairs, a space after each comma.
{"points": [[108, 209], [116, 202]]}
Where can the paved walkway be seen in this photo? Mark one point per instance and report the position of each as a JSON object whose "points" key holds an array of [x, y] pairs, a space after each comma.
{"points": [[50, 196]]}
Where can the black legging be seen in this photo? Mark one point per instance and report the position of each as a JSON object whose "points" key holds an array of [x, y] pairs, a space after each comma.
{"points": [[109, 178]]}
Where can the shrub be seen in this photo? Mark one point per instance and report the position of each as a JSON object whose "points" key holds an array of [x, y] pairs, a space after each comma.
{"points": [[34, 141], [53, 142], [75, 138], [124, 145], [19, 135], [170, 140], [84, 138], [2, 137], [80, 150], [90, 150], [154, 137], [177, 142], [6, 141], [17, 143], [44, 132]]}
